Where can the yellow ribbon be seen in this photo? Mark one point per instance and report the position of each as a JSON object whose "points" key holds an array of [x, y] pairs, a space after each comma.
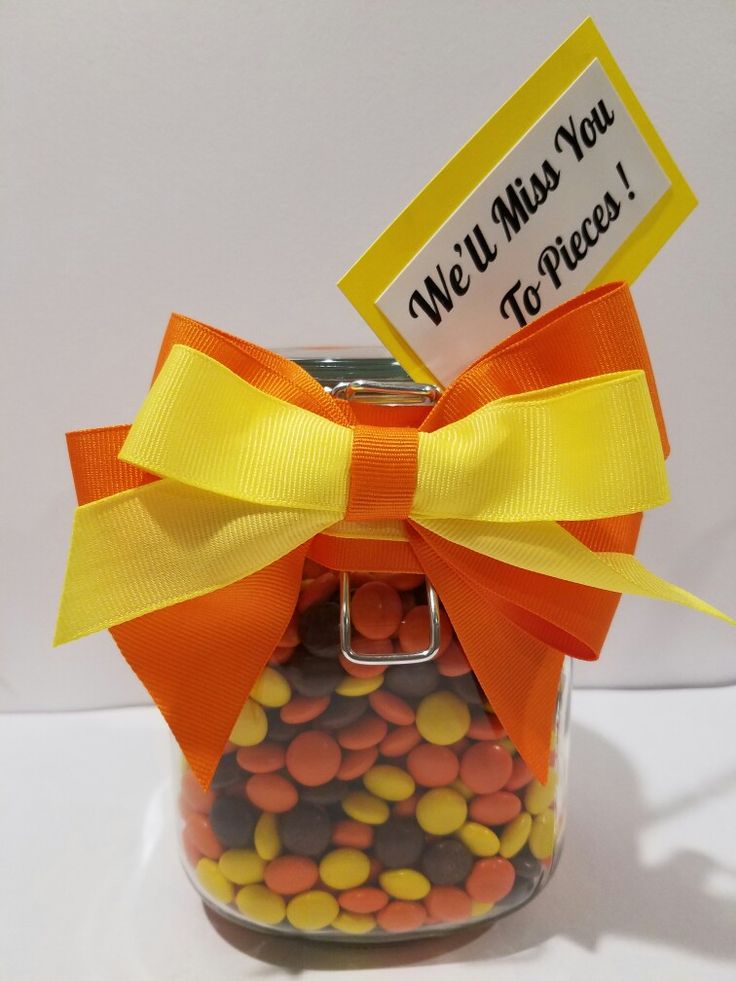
{"points": [[247, 478]]}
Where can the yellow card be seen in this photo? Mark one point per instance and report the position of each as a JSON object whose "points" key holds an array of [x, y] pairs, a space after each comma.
{"points": [[566, 186]]}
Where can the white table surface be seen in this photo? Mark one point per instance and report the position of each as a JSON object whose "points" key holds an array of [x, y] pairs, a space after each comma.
{"points": [[91, 888]]}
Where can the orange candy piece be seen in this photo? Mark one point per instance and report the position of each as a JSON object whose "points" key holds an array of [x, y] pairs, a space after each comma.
{"points": [[198, 835], [485, 727], [448, 904], [400, 741], [364, 899], [401, 916], [485, 767], [364, 645], [271, 792], [367, 731], [303, 708], [391, 707], [498, 808], [521, 775], [353, 834], [317, 591], [406, 808], [376, 610], [290, 874], [414, 630], [490, 879], [192, 795], [433, 766], [313, 758], [356, 762], [452, 662], [263, 758]]}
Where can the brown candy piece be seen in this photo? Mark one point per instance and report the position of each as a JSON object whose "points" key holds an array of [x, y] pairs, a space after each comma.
{"points": [[305, 830], [398, 843], [233, 820], [447, 862], [412, 680], [319, 629]]}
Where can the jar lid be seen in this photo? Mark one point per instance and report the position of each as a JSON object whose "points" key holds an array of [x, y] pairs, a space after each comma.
{"points": [[330, 365]]}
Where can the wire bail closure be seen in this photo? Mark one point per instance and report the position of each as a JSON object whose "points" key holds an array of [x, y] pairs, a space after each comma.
{"points": [[388, 393]]}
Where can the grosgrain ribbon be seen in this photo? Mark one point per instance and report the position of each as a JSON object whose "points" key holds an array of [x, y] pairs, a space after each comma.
{"points": [[257, 465]]}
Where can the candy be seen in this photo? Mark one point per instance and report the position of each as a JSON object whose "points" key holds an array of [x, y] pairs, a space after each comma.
{"points": [[539, 796], [404, 883], [365, 899], [401, 917], [405, 808], [290, 874], [485, 726], [271, 792], [312, 676], [497, 808], [303, 709], [389, 782], [485, 767], [478, 839], [447, 862], [448, 904], [520, 775], [391, 708], [251, 725], [312, 910], [441, 811], [200, 837], [192, 795], [317, 590], [355, 762], [368, 731], [266, 839], [412, 680], [491, 879], [361, 645], [542, 835], [264, 758], [259, 904], [233, 820], [354, 923], [213, 881], [351, 687], [432, 766], [352, 834], [452, 662], [376, 610], [365, 807], [313, 758], [398, 842], [515, 835], [242, 866], [326, 793], [305, 830], [271, 689], [227, 773], [399, 741], [414, 630], [343, 711], [345, 868], [442, 718], [319, 629]]}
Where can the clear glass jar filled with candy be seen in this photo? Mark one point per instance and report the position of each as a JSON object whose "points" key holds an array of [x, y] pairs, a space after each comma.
{"points": [[371, 801]]}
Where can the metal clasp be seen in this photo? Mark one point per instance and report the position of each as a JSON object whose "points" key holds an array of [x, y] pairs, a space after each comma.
{"points": [[388, 393]]}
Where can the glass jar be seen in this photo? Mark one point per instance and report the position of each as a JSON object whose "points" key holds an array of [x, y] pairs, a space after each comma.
{"points": [[373, 802]]}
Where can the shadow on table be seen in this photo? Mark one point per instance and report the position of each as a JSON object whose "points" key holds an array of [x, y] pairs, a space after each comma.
{"points": [[601, 888]]}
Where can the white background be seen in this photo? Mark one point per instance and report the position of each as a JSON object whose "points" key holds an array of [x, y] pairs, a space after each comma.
{"points": [[230, 160]]}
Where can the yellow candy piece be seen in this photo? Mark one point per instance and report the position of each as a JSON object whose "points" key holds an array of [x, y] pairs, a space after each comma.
{"points": [[441, 811], [442, 718], [542, 835], [259, 904], [389, 782], [213, 881], [479, 839], [251, 725], [480, 909], [313, 910], [344, 868], [352, 687], [404, 883], [242, 866], [271, 689], [365, 807], [354, 923], [514, 835], [462, 788], [266, 837], [539, 796]]}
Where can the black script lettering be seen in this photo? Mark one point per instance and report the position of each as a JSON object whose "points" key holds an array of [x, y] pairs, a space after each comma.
{"points": [[436, 294], [583, 137], [489, 252]]}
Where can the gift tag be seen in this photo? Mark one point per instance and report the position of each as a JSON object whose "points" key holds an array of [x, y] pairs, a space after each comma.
{"points": [[566, 186]]}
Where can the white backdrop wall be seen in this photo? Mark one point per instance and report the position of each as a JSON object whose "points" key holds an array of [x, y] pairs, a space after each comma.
{"points": [[230, 160]]}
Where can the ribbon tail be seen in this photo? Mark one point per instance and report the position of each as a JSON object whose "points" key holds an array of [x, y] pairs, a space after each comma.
{"points": [[519, 674], [199, 659]]}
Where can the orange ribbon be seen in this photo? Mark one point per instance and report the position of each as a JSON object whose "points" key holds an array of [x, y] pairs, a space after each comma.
{"points": [[200, 658]]}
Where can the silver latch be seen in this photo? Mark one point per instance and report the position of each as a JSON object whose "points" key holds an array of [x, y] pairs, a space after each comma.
{"points": [[388, 393]]}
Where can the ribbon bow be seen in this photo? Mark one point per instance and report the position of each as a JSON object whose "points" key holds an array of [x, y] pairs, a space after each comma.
{"points": [[518, 494]]}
